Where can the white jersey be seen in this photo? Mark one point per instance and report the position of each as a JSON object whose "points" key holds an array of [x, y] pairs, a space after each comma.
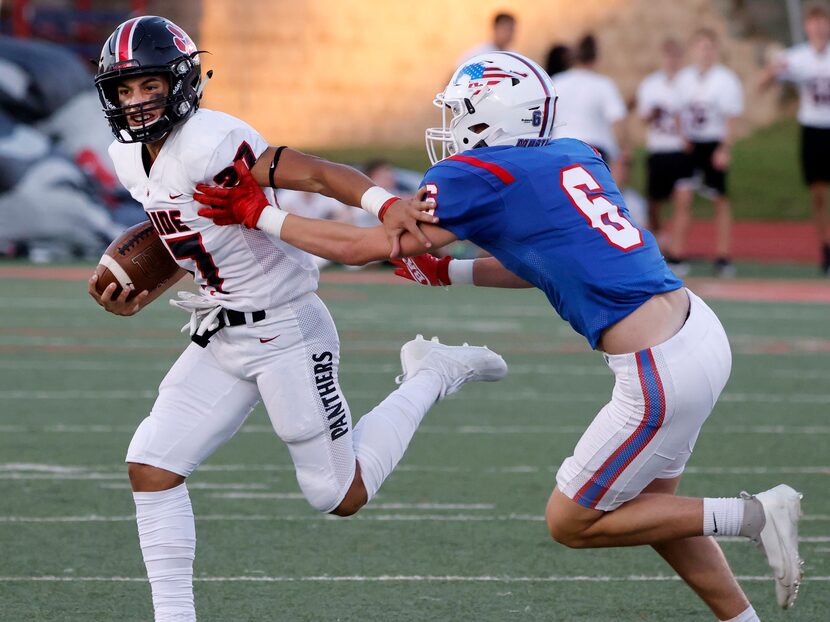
{"points": [[810, 71], [658, 100], [243, 269], [588, 106], [708, 100]]}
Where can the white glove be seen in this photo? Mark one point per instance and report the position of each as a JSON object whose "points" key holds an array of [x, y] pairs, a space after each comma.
{"points": [[204, 312]]}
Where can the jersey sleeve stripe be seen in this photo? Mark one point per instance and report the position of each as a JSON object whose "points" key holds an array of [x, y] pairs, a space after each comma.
{"points": [[495, 169], [654, 413]]}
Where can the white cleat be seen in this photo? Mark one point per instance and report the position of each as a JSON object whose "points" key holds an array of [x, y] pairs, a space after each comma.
{"points": [[456, 365], [779, 539]]}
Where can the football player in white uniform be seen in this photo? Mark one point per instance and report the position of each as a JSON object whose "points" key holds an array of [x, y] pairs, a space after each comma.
{"points": [[808, 67], [259, 330], [668, 351], [712, 99]]}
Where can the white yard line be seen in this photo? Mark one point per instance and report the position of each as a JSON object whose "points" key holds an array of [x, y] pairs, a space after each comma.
{"points": [[371, 506], [393, 579], [125, 485], [66, 365], [312, 517], [24, 471], [515, 396], [252, 428]]}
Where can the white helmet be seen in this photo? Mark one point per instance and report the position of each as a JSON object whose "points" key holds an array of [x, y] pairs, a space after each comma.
{"points": [[498, 98]]}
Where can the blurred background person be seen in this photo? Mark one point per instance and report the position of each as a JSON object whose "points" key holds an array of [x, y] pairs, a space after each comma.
{"points": [[808, 67], [559, 59], [712, 100], [312, 205], [658, 104], [504, 32], [590, 107], [59, 198], [634, 201]]}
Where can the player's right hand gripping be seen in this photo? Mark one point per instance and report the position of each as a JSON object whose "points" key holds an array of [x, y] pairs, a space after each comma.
{"points": [[241, 204], [424, 269], [119, 305]]}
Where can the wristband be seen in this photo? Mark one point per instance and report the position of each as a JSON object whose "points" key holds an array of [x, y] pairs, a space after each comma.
{"points": [[386, 206], [374, 199], [460, 271], [271, 220]]}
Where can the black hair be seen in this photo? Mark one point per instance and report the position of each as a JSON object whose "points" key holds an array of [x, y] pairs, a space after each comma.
{"points": [[586, 49], [372, 165], [559, 59]]}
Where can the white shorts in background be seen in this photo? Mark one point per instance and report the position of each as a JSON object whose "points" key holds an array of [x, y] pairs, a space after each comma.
{"points": [[290, 361], [662, 397]]}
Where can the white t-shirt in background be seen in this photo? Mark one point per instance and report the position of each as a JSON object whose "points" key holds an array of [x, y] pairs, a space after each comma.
{"points": [[809, 70], [708, 100], [588, 106], [659, 99]]}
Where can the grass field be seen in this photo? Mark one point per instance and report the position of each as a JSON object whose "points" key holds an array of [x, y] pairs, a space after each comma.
{"points": [[456, 533]]}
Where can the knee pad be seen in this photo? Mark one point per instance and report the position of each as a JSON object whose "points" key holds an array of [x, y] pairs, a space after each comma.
{"points": [[322, 492]]}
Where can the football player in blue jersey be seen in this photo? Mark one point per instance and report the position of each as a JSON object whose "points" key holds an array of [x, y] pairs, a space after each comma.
{"points": [[549, 213]]}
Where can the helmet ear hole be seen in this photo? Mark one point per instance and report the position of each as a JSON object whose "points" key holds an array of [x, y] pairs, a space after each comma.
{"points": [[478, 128]]}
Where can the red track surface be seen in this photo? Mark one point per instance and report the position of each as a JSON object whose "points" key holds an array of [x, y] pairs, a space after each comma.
{"points": [[769, 242]]}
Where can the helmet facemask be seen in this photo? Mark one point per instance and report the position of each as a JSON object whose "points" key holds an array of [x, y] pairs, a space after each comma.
{"points": [[442, 138], [182, 97]]}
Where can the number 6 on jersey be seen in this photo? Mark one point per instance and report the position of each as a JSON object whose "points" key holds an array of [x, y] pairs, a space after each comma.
{"points": [[600, 213]]}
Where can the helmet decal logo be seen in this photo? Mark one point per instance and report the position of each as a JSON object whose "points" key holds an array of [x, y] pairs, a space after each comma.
{"points": [[481, 75], [124, 64], [181, 40]]}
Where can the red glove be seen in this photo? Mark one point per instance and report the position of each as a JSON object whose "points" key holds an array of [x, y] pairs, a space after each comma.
{"points": [[424, 269], [240, 205]]}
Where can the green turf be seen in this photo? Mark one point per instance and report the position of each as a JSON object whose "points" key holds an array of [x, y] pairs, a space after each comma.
{"points": [[765, 179], [75, 382]]}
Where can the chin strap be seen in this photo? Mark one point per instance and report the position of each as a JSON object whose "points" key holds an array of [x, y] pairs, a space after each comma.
{"points": [[202, 86]]}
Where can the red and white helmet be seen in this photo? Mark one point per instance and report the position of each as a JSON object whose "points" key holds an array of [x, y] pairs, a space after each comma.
{"points": [[498, 98]]}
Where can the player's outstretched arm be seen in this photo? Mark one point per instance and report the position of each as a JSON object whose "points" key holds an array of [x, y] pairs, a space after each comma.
{"points": [[344, 243], [120, 305], [246, 204], [293, 170], [482, 272]]}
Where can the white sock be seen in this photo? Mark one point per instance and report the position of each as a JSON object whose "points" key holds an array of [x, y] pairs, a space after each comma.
{"points": [[167, 534], [382, 436], [747, 615], [722, 517]]}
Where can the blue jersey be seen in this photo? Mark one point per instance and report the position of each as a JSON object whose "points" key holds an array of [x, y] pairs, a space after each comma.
{"points": [[553, 215]]}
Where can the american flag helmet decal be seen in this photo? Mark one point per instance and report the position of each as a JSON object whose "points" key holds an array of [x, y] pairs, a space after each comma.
{"points": [[480, 75]]}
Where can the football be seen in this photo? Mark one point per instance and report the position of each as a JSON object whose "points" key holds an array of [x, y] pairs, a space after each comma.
{"points": [[138, 260]]}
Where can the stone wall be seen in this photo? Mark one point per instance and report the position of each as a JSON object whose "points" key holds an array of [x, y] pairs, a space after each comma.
{"points": [[344, 72]]}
